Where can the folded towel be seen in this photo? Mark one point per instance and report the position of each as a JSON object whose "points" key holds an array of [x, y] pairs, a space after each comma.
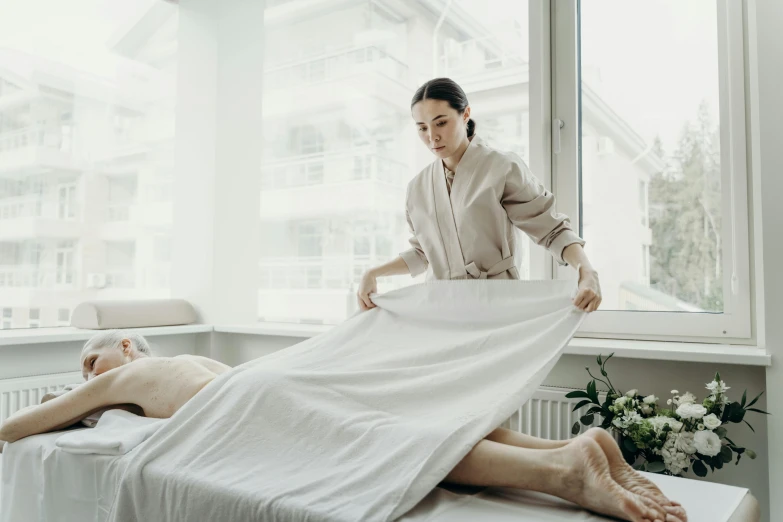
{"points": [[90, 421], [117, 432]]}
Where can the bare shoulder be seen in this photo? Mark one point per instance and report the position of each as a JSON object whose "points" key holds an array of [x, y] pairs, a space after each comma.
{"points": [[212, 365]]}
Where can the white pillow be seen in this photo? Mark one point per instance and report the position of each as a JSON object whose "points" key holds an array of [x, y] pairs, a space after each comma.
{"points": [[104, 315]]}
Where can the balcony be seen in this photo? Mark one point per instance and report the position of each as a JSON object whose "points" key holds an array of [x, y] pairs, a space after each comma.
{"points": [[27, 217], [149, 282], [356, 180], [37, 149], [336, 79], [310, 288], [486, 63], [20, 283], [129, 220]]}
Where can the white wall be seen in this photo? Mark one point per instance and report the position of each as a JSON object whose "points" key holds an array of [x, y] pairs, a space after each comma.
{"points": [[766, 128]]}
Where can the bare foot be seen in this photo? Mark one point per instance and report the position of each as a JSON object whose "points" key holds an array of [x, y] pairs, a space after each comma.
{"points": [[588, 482], [629, 479]]}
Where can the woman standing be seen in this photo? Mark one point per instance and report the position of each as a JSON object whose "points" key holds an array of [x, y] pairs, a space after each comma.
{"points": [[462, 208]]}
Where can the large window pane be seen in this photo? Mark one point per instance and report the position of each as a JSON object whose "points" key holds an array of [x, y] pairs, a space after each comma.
{"points": [[86, 153], [651, 164], [340, 145]]}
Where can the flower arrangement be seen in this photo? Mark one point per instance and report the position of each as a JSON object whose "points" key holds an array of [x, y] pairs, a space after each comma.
{"points": [[687, 434]]}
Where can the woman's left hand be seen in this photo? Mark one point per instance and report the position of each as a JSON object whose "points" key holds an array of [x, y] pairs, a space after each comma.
{"points": [[588, 295]]}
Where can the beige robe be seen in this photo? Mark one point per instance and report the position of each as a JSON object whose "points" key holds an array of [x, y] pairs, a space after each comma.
{"points": [[469, 233]]}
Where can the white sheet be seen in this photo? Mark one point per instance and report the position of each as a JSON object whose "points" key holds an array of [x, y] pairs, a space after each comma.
{"points": [[116, 433], [703, 501], [41, 483], [359, 423], [79, 488]]}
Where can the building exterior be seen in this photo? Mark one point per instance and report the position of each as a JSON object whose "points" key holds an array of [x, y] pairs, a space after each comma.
{"points": [[86, 161]]}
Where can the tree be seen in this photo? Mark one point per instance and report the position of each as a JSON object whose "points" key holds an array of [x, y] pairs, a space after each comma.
{"points": [[685, 217]]}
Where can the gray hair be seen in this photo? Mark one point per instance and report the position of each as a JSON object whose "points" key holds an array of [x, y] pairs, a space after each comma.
{"points": [[113, 339]]}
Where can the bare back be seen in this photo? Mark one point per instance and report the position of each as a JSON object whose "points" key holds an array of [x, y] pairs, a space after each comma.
{"points": [[159, 386], [162, 385]]}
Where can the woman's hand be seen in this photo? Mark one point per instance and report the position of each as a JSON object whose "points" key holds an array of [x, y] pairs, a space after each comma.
{"points": [[588, 295], [367, 286]]}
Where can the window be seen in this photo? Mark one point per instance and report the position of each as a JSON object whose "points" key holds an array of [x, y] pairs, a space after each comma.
{"points": [[35, 317], [66, 207], [667, 120], [7, 318], [87, 105], [341, 98]]}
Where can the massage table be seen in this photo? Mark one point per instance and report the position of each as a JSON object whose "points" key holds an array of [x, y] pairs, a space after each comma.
{"points": [[40, 482]]}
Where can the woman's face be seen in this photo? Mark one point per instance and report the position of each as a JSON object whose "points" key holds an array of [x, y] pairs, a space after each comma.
{"points": [[99, 360], [441, 128]]}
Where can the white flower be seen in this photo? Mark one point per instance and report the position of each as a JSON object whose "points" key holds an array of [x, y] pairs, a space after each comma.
{"points": [[620, 401], [650, 399], [669, 401], [711, 421], [717, 387], [631, 393], [700, 426], [687, 398], [707, 443], [675, 461], [684, 442], [646, 410], [627, 420], [675, 392], [658, 422], [691, 411]]}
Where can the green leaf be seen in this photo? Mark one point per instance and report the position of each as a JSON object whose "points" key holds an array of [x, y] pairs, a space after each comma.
{"points": [[577, 394], [598, 359], [656, 466], [629, 446], [721, 432], [744, 396], [699, 468], [734, 412], [758, 411], [725, 454], [575, 429], [591, 393], [717, 376], [749, 426], [594, 409], [754, 400], [581, 404], [587, 419]]}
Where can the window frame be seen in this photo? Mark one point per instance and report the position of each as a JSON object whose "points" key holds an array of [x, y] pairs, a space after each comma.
{"points": [[735, 323]]}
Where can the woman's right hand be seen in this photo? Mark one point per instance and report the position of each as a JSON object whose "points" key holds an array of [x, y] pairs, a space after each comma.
{"points": [[367, 286]]}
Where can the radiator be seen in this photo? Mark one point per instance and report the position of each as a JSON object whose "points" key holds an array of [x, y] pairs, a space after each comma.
{"points": [[546, 415], [26, 391]]}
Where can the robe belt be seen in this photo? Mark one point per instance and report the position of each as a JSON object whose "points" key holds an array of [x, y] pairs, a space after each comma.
{"points": [[497, 268]]}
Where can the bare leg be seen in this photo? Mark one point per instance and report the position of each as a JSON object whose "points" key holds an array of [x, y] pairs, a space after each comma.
{"points": [[521, 440], [620, 471], [578, 472]]}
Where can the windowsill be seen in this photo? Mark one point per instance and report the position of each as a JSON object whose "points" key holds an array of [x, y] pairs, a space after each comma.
{"points": [[650, 350], [68, 333]]}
